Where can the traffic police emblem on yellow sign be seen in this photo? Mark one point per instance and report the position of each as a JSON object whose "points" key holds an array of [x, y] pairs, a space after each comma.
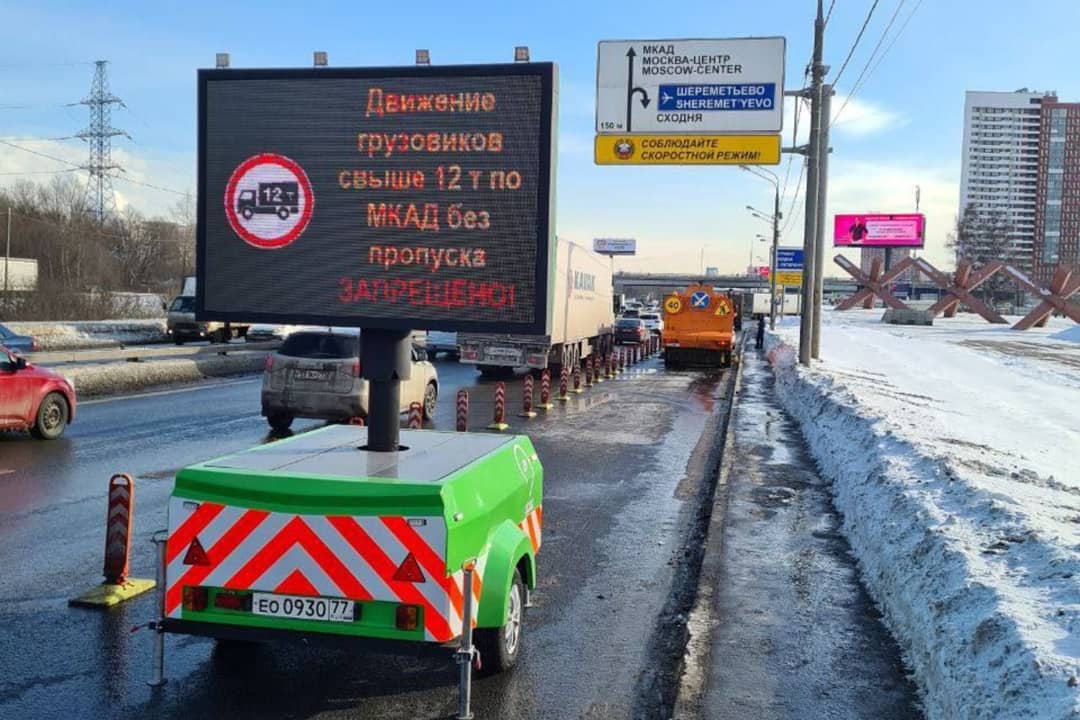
{"points": [[673, 305]]}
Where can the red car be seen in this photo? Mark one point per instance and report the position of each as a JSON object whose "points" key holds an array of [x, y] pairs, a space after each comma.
{"points": [[33, 398]]}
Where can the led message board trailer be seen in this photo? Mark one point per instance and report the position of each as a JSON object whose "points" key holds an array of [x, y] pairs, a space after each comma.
{"points": [[384, 198], [883, 231]]}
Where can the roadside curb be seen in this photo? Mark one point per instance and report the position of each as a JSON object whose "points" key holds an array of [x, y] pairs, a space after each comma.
{"points": [[695, 663], [114, 379]]}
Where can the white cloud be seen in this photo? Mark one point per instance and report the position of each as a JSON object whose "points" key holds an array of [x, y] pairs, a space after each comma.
{"points": [[172, 171], [863, 118]]}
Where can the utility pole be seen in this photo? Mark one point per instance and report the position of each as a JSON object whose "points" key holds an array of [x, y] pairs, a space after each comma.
{"points": [[7, 260], [772, 261], [822, 190], [100, 200], [813, 176]]}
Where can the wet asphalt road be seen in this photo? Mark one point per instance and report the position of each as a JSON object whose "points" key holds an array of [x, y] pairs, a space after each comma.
{"points": [[622, 466], [794, 634]]}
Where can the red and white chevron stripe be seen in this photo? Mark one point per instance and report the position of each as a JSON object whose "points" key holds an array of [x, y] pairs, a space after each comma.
{"points": [[531, 527], [352, 557]]}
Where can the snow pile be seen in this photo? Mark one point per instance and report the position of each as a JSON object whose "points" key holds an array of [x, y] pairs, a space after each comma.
{"points": [[114, 378], [77, 335], [958, 478]]}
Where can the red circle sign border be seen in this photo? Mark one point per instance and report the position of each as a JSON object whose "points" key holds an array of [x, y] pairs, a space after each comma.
{"points": [[230, 211]]}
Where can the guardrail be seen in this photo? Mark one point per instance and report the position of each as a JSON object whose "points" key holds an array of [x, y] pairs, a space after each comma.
{"points": [[142, 353]]}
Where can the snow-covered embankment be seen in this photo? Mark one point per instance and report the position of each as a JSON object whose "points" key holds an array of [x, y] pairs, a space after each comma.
{"points": [[959, 481]]}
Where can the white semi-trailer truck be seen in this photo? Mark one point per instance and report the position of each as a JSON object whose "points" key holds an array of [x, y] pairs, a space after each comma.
{"points": [[582, 320]]}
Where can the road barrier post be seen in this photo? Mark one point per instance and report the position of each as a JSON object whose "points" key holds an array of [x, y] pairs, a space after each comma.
{"points": [[577, 378], [563, 397], [416, 415], [622, 360], [499, 421], [609, 365], [598, 375], [527, 397], [462, 411], [118, 518], [587, 362], [545, 390]]}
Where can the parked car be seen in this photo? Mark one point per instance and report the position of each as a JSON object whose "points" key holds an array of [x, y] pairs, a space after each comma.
{"points": [[34, 398], [316, 374], [442, 342], [262, 333], [630, 330], [653, 323], [17, 343]]}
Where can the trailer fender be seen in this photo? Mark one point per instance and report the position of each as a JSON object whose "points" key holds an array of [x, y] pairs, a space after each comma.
{"points": [[508, 546]]}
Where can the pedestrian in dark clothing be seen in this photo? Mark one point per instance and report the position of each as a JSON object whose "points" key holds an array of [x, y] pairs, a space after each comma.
{"points": [[760, 332]]}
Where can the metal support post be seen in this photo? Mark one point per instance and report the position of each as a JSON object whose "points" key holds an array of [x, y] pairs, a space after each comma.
{"points": [[385, 358], [812, 176], [822, 191], [159, 539], [466, 655], [772, 261]]}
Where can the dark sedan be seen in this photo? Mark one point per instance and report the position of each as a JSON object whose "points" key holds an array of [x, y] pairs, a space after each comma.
{"points": [[17, 343], [630, 330]]}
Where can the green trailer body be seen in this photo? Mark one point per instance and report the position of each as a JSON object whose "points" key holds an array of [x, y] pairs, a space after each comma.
{"points": [[315, 535]]}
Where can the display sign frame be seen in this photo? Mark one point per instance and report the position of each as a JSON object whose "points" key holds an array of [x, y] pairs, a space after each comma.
{"points": [[540, 237], [894, 223]]}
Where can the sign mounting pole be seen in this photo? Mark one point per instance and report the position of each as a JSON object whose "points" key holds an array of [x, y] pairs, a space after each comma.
{"points": [[813, 175]]}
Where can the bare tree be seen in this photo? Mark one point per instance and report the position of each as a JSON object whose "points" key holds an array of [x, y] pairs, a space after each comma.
{"points": [[983, 236]]}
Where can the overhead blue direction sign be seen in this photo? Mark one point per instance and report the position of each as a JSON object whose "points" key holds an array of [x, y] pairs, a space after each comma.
{"points": [[789, 258], [740, 97]]}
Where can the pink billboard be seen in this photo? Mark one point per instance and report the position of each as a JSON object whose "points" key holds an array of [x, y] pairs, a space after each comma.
{"points": [[903, 230]]}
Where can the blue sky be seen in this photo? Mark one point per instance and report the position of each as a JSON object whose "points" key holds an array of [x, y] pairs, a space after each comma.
{"points": [[902, 129]]}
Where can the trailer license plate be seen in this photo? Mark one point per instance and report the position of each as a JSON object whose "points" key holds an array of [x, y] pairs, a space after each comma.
{"points": [[299, 607], [319, 375], [502, 352]]}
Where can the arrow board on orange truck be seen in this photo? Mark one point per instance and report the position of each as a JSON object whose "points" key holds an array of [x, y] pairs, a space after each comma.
{"points": [[730, 86]]}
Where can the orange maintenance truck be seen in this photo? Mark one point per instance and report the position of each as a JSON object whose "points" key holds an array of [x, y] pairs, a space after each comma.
{"points": [[699, 327]]}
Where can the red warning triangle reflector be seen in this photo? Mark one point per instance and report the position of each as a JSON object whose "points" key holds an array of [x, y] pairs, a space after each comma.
{"points": [[409, 570], [195, 554]]}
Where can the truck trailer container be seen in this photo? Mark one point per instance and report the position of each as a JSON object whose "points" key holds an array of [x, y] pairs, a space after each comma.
{"points": [[582, 320]]}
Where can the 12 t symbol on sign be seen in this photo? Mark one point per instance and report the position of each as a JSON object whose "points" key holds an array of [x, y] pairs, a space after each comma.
{"points": [[268, 201]]}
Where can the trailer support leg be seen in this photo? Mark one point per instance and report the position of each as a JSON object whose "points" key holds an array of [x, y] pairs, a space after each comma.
{"points": [[158, 627], [467, 654]]}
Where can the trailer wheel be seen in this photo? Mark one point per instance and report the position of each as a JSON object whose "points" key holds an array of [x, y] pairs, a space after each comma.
{"points": [[247, 213], [283, 213], [280, 422], [499, 647]]}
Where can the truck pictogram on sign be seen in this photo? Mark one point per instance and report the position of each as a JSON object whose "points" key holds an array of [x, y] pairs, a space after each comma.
{"points": [[268, 201]]}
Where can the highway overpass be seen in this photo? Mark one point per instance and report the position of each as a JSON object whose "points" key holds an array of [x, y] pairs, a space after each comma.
{"points": [[656, 284]]}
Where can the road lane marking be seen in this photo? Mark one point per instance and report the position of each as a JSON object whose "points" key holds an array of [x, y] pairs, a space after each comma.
{"points": [[175, 391]]}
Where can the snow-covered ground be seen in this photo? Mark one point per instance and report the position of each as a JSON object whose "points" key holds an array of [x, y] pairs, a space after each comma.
{"points": [[115, 378], [77, 335], [955, 456]]}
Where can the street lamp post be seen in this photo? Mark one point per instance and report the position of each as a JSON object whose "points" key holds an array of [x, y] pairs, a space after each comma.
{"points": [[775, 219]]}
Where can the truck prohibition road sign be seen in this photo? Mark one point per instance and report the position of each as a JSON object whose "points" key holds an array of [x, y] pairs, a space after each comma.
{"points": [[268, 201], [729, 86]]}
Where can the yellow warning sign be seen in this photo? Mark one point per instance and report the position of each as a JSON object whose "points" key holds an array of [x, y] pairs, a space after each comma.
{"points": [[722, 308], [789, 277], [687, 150], [673, 305]]}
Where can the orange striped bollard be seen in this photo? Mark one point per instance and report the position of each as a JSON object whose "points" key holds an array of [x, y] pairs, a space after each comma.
{"points": [[563, 378], [416, 415], [577, 378], [498, 422], [545, 390], [622, 360], [527, 397], [588, 372], [462, 410], [597, 364], [118, 528]]}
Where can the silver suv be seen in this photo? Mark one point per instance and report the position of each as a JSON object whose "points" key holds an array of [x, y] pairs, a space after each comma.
{"points": [[316, 374]]}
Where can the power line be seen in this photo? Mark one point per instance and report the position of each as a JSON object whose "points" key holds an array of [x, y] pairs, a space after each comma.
{"points": [[41, 154], [39, 172], [855, 44], [149, 185], [829, 14], [867, 71]]}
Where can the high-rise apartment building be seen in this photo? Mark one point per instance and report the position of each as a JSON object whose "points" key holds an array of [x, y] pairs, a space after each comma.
{"points": [[1001, 165], [1057, 208]]}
